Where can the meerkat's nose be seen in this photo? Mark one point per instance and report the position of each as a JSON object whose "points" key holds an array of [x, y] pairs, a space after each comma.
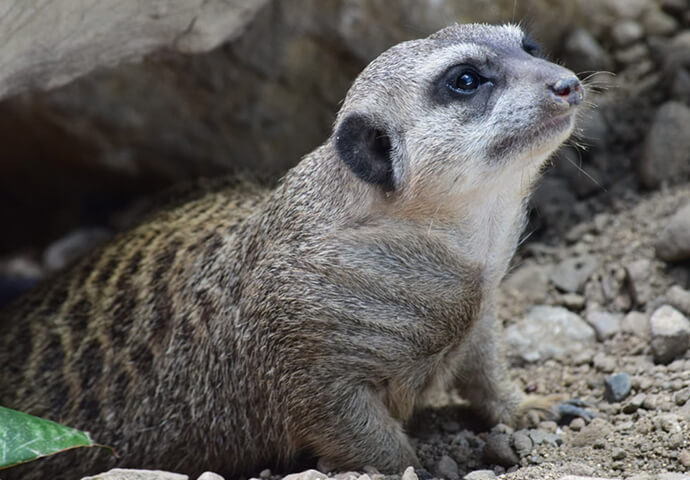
{"points": [[567, 90]]}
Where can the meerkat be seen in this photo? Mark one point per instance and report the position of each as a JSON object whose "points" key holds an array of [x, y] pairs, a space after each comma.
{"points": [[245, 327]]}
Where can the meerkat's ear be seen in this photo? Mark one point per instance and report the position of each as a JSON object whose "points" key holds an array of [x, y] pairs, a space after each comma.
{"points": [[365, 147]]}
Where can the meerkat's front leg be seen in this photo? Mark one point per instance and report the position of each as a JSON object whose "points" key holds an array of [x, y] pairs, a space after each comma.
{"points": [[483, 379], [353, 429]]}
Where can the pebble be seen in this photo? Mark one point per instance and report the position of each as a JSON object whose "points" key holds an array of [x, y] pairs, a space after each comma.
{"points": [[577, 424], [679, 298], [597, 430], [571, 274], [626, 32], [409, 474], [605, 324], [210, 476], [618, 454], [548, 332], [265, 474], [447, 468], [666, 154], [636, 323], [306, 475], [497, 450], [656, 22], [638, 274], [670, 331], [673, 244], [634, 403], [480, 475], [684, 458], [584, 53], [572, 301], [617, 387], [522, 443], [136, 474]]}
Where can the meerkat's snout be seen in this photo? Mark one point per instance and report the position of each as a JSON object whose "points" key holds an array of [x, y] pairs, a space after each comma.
{"points": [[567, 91]]}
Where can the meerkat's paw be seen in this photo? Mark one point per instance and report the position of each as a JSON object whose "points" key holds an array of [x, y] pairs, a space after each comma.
{"points": [[536, 408]]}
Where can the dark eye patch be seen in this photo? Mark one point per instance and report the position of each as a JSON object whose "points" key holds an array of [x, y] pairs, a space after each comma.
{"points": [[530, 46]]}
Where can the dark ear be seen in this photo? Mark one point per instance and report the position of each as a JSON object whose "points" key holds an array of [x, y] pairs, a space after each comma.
{"points": [[365, 147]]}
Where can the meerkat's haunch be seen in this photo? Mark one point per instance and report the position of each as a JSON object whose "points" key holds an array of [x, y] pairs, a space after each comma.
{"points": [[244, 328]]}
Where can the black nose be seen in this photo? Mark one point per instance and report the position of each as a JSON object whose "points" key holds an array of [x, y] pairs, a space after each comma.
{"points": [[567, 90]]}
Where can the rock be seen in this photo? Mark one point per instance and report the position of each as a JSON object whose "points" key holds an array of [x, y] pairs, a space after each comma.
{"points": [[670, 331], [548, 332], [626, 8], [577, 424], [626, 32], [679, 298], [684, 458], [480, 475], [583, 53], [530, 281], [636, 323], [409, 474], [522, 443], [605, 324], [572, 301], [265, 474], [666, 153], [306, 475], [634, 403], [617, 387], [133, 474], [65, 250], [638, 274], [673, 244], [571, 274], [210, 476], [497, 450], [447, 468], [656, 22], [596, 430]]}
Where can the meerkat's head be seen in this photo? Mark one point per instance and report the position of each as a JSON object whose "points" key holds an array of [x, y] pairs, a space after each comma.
{"points": [[455, 111]]}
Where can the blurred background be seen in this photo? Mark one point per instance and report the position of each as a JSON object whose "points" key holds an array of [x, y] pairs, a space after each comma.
{"points": [[253, 89]]}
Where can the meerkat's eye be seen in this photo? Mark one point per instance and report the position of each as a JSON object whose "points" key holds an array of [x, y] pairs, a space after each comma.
{"points": [[464, 81]]}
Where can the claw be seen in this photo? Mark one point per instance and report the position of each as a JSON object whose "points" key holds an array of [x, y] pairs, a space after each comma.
{"points": [[574, 408]]}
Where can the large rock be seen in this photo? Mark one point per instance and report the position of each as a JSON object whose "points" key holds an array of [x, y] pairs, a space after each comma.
{"points": [[548, 332], [666, 155], [670, 334], [673, 244]]}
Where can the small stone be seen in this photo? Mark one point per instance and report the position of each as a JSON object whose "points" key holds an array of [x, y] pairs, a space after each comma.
{"points": [[626, 32], [638, 273], [605, 324], [684, 458], [572, 301], [135, 474], [211, 476], [497, 450], [531, 281], [480, 475], [626, 8], [604, 363], [595, 432], [265, 474], [681, 396], [617, 387], [666, 157], [584, 53], [618, 454], [409, 474], [577, 424], [634, 403], [673, 244], [670, 334], [548, 332], [447, 468], [679, 298], [306, 475], [656, 22], [571, 274], [634, 54], [522, 443], [548, 426], [636, 323]]}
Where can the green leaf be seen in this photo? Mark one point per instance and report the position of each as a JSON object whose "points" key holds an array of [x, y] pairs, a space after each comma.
{"points": [[25, 437]]}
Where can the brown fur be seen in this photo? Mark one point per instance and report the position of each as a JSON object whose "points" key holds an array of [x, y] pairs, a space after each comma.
{"points": [[241, 328]]}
